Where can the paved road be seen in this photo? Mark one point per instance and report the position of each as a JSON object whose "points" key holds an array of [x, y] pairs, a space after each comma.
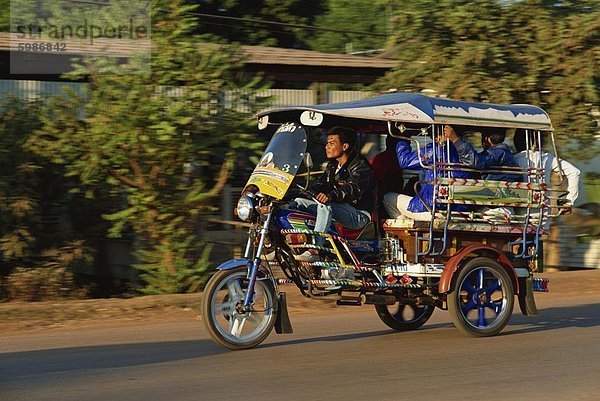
{"points": [[347, 354]]}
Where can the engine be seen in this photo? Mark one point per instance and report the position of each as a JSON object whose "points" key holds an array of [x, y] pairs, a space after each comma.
{"points": [[394, 264], [391, 250]]}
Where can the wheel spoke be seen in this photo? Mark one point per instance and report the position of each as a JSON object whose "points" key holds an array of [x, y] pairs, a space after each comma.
{"points": [[468, 287], [481, 322], [494, 285], [232, 320], [226, 308], [480, 278], [235, 289], [236, 325], [399, 315], [496, 306], [253, 318], [469, 306]]}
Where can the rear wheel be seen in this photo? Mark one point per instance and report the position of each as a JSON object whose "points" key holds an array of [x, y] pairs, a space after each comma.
{"points": [[481, 301], [227, 321], [404, 316]]}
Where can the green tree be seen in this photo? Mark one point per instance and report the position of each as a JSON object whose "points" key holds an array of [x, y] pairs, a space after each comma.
{"points": [[161, 141], [36, 254], [451, 47], [555, 53], [353, 15], [19, 184], [4, 15], [299, 12], [533, 51]]}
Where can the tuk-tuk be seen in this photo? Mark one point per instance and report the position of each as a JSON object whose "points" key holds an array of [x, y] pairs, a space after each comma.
{"points": [[459, 259]]}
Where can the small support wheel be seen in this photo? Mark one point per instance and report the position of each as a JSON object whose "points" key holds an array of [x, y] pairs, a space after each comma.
{"points": [[404, 316]]}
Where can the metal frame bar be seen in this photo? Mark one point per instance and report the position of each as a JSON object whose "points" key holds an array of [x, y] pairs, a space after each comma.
{"points": [[249, 297]]}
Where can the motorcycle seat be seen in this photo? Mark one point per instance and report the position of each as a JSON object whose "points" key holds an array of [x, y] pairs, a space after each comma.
{"points": [[369, 231]]}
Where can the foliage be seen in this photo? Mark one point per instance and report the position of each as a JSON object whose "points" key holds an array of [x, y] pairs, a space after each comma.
{"points": [[299, 12], [533, 51], [32, 263], [355, 15], [352, 15], [591, 182], [19, 183], [162, 141], [66, 256], [59, 14], [187, 275], [4, 15], [54, 279], [556, 65]]}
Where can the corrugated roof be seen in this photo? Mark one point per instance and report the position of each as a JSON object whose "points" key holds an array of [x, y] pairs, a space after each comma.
{"points": [[276, 55], [257, 54]]}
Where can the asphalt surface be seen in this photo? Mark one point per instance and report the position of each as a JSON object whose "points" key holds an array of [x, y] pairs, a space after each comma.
{"points": [[346, 353]]}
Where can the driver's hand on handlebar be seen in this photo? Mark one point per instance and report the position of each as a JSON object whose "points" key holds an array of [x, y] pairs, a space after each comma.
{"points": [[321, 197]]}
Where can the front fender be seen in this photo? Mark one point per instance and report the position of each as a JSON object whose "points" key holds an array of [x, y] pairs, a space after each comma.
{"points": [[243, 262], [233, 263]]}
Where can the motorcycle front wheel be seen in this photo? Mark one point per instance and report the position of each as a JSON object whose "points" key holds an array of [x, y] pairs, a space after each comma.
{"points": [[228, 322]]}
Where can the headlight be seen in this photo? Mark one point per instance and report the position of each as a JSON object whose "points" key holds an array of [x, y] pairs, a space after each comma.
{"points": [[245, 208]]}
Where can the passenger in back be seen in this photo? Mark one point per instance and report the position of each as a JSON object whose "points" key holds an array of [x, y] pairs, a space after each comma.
{"points": [[386, 171], [531, 158], [495, 153], [419, 207]]}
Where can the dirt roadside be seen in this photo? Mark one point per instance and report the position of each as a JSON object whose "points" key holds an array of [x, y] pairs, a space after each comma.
{"points": [[26, 317]]}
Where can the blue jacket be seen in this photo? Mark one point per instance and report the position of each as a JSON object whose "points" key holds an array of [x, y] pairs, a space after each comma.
{"points": [[496, 156], [409, 160]]}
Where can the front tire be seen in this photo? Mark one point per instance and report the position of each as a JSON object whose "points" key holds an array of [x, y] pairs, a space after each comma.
{"points": [[481, 302], [222, 312]]}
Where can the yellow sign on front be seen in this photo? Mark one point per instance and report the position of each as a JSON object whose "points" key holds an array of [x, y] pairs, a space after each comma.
{"points": [[271, 181]]}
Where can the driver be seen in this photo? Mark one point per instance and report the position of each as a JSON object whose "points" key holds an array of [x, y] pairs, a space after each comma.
{"points": [[345, 191]]}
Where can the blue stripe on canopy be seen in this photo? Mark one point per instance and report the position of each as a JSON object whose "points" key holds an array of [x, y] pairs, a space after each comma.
{"points": [[515, 109]]}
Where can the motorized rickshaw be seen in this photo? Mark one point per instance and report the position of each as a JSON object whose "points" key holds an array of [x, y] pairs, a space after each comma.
{"points": [[460, 260]]}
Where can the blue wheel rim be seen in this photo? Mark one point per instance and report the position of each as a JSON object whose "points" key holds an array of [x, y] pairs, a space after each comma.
{"points": [[483, 300]]}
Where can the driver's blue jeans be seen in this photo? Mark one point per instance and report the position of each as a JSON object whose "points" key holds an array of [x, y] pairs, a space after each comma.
{"points": [[345, 214]]}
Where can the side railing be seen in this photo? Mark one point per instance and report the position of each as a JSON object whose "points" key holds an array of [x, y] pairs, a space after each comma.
{"points": [[497, 202], [465, 204], [526, 203]]}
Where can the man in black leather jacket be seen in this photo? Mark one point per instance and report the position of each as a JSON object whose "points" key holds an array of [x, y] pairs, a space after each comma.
{"points": [[344, 192]]}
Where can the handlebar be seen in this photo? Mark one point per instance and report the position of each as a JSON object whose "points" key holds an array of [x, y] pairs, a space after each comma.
{"points": [[308, 193]]}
